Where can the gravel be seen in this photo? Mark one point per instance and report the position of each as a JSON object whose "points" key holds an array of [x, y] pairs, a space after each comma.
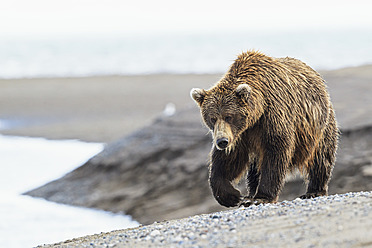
{"points": [[333, 221]]}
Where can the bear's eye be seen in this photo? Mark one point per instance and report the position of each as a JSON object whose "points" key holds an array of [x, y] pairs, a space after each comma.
{"points": [[213, 120], [228, 119]]}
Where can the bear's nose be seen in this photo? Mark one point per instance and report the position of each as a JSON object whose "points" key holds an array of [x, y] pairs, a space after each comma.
{"points": [[222, 143]]}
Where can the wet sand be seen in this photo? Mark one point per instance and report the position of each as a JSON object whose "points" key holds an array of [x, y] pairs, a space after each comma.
{"points": [[103, 109]]}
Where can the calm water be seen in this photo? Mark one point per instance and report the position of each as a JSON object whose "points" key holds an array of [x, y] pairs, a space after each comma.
{"points": [[26, 163], [193, 53]]}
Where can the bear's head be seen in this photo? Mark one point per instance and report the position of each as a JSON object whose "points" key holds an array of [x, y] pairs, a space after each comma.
{"points": [[224, 111]]}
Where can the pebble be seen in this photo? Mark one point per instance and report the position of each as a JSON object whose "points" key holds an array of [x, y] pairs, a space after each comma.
{"points": [[155, 233]]}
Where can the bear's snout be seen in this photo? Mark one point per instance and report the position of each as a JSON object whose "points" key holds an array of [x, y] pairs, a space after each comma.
{"points": [[222, 143], [222, 135]]}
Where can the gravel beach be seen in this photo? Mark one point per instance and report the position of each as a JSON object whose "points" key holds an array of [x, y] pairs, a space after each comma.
{"points": [[333, 221]]}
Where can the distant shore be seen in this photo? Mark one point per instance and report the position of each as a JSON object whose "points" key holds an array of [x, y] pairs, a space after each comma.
{"points": [[103, 109], [95, 109]]}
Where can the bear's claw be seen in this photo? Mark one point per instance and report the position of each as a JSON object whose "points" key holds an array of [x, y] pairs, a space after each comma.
{"points": [[248, 201]]}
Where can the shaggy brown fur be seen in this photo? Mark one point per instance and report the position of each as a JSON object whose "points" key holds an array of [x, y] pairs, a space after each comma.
{"points": [[268, 116]]}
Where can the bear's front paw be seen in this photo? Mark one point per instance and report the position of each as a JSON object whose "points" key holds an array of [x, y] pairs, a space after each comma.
{"points": [[229, 197]]}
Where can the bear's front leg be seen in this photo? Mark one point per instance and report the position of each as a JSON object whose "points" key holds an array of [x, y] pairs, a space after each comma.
{"points": [[272, 174], [273, 170], [224, 169], [253, 178]]}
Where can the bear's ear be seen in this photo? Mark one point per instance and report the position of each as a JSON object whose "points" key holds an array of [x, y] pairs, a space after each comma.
{"points": [[198, 95], [243, 91]]}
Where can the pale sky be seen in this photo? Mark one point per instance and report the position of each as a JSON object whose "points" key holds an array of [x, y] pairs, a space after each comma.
{"points": [[143, 16]]}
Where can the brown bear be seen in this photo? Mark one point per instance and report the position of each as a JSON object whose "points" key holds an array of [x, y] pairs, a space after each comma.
{"points": [[268, 117]]}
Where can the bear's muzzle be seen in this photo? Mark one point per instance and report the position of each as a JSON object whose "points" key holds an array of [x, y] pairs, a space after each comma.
{"points": [[222, 135]]}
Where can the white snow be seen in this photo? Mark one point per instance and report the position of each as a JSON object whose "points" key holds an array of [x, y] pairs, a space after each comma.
{"points": [[26, 163]]}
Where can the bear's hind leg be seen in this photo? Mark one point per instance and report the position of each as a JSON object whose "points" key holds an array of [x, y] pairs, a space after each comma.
{"points": [[320, 169], [319, 173]]}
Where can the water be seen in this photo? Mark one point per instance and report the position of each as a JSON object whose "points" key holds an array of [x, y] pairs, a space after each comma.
{"points": [[26, 163], [66, 56]]}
